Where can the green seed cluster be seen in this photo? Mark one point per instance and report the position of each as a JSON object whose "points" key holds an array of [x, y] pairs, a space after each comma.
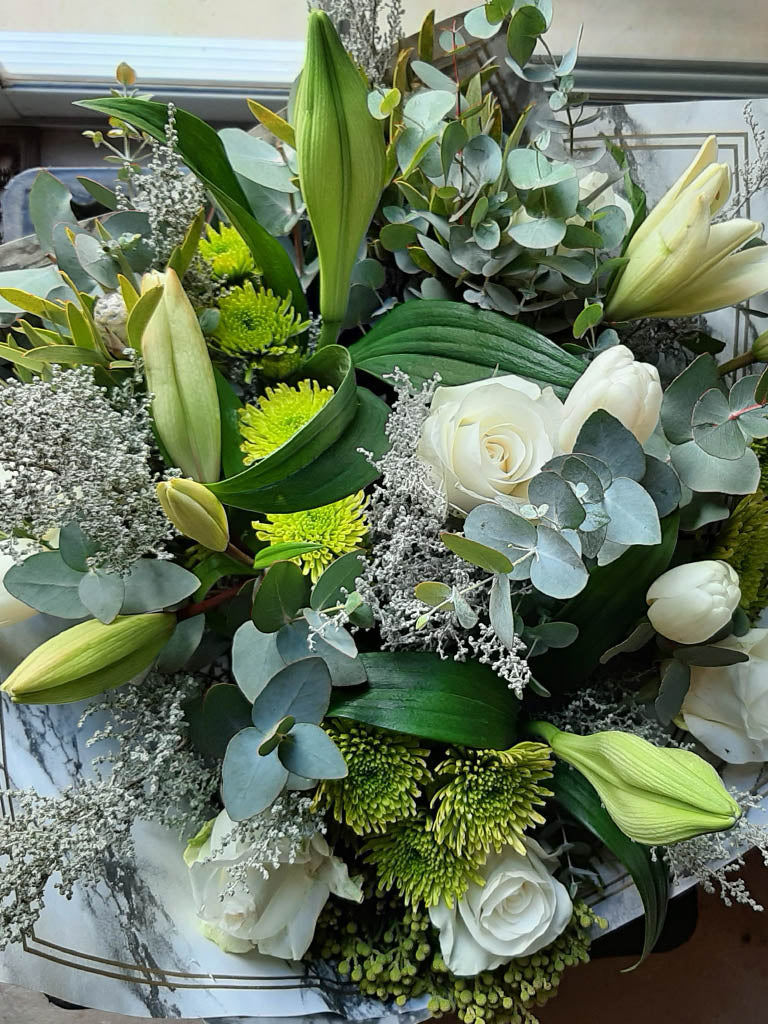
{"points": [[410, 858], [490, 797], [386, 772], [391, 953]]}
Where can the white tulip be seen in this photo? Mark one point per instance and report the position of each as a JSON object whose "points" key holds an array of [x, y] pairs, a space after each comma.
{"points": [[726, 707], [680, 263], [690, 603], [613, 381], [489, 437], [276, 915], [520, 910]]}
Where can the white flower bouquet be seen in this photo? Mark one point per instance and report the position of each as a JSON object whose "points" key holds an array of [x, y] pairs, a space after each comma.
{"points": [[384, 558]]}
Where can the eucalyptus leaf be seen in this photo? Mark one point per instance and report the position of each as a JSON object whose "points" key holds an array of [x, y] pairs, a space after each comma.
{"points": [[682, 395], [255, 659], [714, 428], [311, 753], [102, 594], [75, 548], [500, 613], [663, 485], [556, 569], [637, 639], [608, 440], [432, 592], [50, 203], [708, 656], [554, 634], [301, 690], [540, 233], [46, 583], [675, 682], [634, 519], [340, 576], [704, 472], [283, 591], [154, 584], [481, 159], [564, 507], [293, 644], [183, 643], [216, 717], [249, 782], [497, 527], [488, 558]]}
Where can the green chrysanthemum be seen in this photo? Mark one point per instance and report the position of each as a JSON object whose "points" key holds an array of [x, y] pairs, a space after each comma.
{"points": [[339, 527], [385, 773], [281, 411], [259, 325], [228, 254], [490, 798], [410, 858], [743, 544]]}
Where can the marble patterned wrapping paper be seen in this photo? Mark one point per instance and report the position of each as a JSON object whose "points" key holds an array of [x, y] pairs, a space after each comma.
{"points": [[131, 945]]}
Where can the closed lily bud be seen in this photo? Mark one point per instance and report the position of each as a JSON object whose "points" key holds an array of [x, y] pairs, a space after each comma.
{"points": [[614, 381], [341, 157], [179, 372], [692, 602], [680, 263], [89, 658], [195, 512], [656, 795]]}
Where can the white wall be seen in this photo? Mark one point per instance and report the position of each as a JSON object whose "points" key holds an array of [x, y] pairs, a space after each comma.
{"points": [[655, 29]]}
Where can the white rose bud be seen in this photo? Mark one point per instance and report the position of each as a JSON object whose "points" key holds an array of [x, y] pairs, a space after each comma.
{"points": [[691, 602], [490, 437], [726, 707], [520, 910], [613, 381]]}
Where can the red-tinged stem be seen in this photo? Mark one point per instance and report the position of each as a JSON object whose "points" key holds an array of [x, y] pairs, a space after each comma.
{"points": [[238, 555], [210, 602]]}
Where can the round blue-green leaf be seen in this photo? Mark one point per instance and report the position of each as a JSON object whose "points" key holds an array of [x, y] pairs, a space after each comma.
{"points": [[302, 689], [250, 782], [556, 569], [293, 645], [45, 582], [311, 753], [184, 641], [255, 659], [102, 594], [75, 548], [215, 718], [154, 584]]}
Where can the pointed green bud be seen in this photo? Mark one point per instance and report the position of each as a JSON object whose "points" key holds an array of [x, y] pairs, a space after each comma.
{"points": [[89, 658], [195, 512], [656, 795], [341, 162], [179, 373]]}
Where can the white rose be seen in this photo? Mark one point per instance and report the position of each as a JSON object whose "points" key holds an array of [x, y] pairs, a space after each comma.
{"points": [[613, 381], [726, 708], [276, 915], [489, 438], [692, 602], [520, 909]]}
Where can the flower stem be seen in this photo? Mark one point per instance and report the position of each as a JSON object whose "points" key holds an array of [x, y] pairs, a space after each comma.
{"points": [[329, 332], [210, 602], [238, 555], [738, 363]]}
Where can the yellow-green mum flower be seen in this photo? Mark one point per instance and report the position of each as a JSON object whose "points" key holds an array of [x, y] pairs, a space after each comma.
{"points": [[340, 527], [227, 253], [281, 411], [255, 322]]}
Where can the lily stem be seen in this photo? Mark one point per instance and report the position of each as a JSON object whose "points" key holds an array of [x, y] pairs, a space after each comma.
{"points": [[738, 363], [329, 332], [210, 602], [238, 555]]}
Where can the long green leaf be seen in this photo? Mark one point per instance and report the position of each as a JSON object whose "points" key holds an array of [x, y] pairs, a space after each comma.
{"points": [[444, 701], [606, 610], [231, 439], [340, 470], [462, 344], [332, 367], [579, 798], [203, 152]]}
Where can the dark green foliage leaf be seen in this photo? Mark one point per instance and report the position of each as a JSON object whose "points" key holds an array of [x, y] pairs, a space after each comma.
{"points": [[311, 753], [554, 634], [216, 717], [47, 583], [339, 470], [590, 316], [605, 438], [471, 551], [75, 548], [462, 344], [709, 657], [682, 395], [523, 31], [340, 575], [229, 406], [301, 690], [607, 609], [184, 641], [154, 584], [444, 701], [578, 237], [675, 681], [213, 568], [203, 152], [283, 551], [250, 782], [579, 798], [102, 594], [283, 591]]}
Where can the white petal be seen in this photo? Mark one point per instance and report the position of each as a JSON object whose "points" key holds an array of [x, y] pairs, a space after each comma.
{"points": [[735, 279]]}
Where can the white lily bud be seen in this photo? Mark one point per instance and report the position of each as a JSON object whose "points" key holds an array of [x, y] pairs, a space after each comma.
{"points": [[690, 603], [680, 264], [613, 381]]}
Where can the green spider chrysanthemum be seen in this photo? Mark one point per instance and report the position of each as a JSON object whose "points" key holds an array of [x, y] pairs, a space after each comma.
{"points": [[385, 773], [490, 798], [228, 254], [281, 411], [338, 527], [410, 858], [258, 325], [743, 544]]}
